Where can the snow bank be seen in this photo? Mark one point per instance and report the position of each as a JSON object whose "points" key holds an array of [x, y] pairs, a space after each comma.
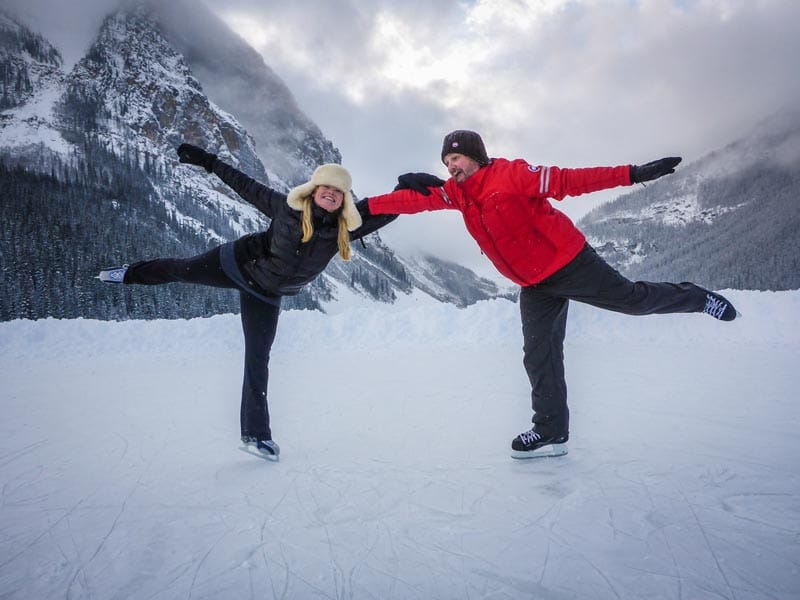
{"points": [[767, 317]]}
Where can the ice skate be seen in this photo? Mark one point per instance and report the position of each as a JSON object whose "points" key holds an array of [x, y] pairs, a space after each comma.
{"points": [[266, 449], [531, 444], [719, 307], [113, 274]]}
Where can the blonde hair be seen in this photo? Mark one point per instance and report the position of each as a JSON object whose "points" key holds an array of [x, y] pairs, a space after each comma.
{"points": [[343, 237]]}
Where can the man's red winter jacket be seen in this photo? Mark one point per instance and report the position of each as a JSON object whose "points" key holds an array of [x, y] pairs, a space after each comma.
{"points": [[505, 208]]}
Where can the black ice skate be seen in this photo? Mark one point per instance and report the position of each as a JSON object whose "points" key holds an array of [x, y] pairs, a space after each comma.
{"points": [[531, 444], [113, 274], [718, 307], [266, 449]]}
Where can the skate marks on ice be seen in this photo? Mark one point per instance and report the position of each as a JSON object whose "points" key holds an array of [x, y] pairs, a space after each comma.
{"points": [[406, 491], [409, 530]]}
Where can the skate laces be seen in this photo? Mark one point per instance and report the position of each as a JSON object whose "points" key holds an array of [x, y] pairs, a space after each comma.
{"points": [[529, 437], [715, 307]]}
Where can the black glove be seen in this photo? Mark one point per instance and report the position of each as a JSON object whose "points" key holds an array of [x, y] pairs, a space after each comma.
{"points": [[194, 155], [419, 182], [362, 206], [654, 170]]}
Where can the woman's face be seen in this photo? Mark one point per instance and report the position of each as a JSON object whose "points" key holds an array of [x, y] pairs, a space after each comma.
{"points": [[329, 198]]}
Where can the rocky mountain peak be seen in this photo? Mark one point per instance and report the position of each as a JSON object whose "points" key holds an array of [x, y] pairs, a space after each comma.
{"points": [[28, 62], [235, 77], [92, 154], [16, 39], [136, 83]]}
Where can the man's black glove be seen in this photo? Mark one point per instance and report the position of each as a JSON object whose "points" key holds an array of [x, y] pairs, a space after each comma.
{"points": [[654, 170], [193, 155], [419, 182]]}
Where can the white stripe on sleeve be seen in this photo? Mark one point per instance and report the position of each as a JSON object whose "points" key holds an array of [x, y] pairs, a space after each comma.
{"points": [[544, 181]]}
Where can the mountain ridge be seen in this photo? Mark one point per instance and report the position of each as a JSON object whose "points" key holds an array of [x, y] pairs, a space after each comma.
{"points": [[117, 117], [726, 220]]}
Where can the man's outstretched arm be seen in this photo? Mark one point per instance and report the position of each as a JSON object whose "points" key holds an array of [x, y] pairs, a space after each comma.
{"points": [[414, 192]]}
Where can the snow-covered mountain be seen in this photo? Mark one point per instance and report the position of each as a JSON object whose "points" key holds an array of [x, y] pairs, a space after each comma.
{"points": [[31, 80], [91, 153], [727, 220], [235, 77]]}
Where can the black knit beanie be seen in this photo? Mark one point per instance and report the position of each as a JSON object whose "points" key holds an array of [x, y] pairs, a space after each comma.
{"points": [[467, 143]]}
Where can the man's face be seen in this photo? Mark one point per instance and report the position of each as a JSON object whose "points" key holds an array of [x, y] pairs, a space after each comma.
{"points": [[460, 167], [329, 198]]}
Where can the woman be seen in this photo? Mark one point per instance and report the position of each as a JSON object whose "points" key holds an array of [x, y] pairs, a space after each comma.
{"points": [[317, 220]]}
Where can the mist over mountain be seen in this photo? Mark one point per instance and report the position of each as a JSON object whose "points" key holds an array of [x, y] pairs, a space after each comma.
{"points": [[91, 178], [727, 220], [236, 78]]}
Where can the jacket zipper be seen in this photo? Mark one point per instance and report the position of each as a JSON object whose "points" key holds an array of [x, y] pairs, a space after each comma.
{"points": [[497, 252]]}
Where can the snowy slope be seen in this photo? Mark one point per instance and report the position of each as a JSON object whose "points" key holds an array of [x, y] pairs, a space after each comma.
{"points": [[31, 82], [726, 220], [121, 478]]}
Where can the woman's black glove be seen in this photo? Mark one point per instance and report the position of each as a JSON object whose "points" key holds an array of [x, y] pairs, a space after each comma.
{"points": [[654, 170], [419, 182], [362, 206], [193, 155]]}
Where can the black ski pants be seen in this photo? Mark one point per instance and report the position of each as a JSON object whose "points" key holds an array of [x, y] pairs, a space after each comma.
{"points": [[589, 279], [259, 324]]}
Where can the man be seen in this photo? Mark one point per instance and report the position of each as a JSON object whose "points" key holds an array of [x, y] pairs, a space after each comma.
{"points": [[505, 208]]}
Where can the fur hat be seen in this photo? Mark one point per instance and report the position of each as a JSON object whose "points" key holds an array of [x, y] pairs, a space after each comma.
{"points": [[335, 176], [467, 143]]}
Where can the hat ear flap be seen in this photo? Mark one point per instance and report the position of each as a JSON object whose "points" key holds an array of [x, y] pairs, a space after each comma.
{"points": [[352, 217], [296, 195]]}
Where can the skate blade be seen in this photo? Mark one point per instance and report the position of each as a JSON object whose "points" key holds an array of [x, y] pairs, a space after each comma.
{"points": [[543, 452], [261, 455]]}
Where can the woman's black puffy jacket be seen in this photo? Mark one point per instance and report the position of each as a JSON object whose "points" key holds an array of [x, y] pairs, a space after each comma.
{"points": [[276, 261]]}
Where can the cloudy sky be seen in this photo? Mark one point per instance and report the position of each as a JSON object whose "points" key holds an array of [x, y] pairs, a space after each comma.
{"points": [[559, 82]]}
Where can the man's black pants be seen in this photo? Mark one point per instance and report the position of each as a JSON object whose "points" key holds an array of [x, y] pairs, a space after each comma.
{"points": [[589, 279], [259, 324]]}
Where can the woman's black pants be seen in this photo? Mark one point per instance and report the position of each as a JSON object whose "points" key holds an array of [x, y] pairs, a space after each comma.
{"points": [[259, 324]]}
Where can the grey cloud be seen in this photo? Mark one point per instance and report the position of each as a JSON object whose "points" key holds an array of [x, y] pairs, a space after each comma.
{"points": [[592, 83], [70, 26]]}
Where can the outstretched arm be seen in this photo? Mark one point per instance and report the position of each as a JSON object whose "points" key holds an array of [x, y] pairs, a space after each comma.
{"points": [[554, 182], [558, 183], [370, 222], [259, 195], [414, 192], [419, 182]]}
